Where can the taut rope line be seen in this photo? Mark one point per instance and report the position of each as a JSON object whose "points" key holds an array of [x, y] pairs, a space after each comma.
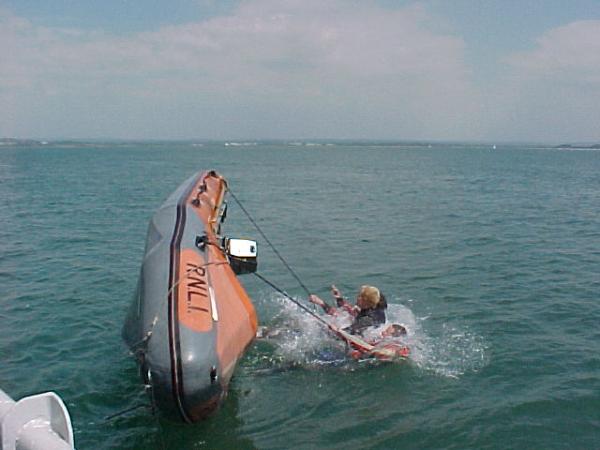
{"points": [[269, 242]]}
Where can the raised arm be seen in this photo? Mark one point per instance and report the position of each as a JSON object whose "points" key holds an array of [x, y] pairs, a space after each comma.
{"points": [[320, 302], [341, 302]]}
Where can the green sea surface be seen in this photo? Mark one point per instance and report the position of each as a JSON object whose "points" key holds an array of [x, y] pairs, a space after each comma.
{"points": [[490, 257]]}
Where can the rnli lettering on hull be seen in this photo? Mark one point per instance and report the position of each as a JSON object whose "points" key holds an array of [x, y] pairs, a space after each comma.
{"points": [[197, 281], [194, 293]]}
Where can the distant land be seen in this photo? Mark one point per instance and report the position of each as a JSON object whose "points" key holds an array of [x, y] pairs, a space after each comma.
{"points": [[11, 142], [79, 143], [98, 143], [594, 146]]}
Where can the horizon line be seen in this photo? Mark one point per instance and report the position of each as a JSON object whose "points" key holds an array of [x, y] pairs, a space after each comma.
{"points": [[290, 140]]}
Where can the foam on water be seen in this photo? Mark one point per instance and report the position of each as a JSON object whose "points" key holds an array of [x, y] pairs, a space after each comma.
{"points": [[295, 338], [298, 340], [450, 350]]}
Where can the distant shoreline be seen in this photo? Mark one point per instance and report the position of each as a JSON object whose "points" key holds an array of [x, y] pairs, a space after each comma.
{"points": [[16, 142], [578, 146]]}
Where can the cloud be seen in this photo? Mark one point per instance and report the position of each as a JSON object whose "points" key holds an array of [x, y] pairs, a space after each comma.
{"points": [[269, 69], [553, 90], [570, 53]]}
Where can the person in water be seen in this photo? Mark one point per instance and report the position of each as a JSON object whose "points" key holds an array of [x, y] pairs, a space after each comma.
{"points": [[394, 330], [369, 310]]}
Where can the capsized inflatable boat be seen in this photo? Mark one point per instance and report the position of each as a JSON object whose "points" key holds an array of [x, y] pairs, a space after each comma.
{"points": [[191, 319]]}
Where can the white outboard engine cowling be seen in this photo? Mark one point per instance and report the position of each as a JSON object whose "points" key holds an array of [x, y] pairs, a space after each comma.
{"points": [[242, 255]]}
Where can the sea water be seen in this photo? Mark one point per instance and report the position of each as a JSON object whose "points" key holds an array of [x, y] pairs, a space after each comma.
{"points": [[491, 258]]}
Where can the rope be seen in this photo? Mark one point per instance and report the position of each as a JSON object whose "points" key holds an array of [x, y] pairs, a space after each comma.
{"points": [[161, 431], [125, 411], [137, 345], [346, 337], [268, 242], [194, 269], [293, 300]]}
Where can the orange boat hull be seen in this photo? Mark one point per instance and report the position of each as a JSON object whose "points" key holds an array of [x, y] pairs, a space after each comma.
{"points": [[191, 319]]}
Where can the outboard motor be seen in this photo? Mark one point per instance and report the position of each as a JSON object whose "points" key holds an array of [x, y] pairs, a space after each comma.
{"points": [[242, 255]]}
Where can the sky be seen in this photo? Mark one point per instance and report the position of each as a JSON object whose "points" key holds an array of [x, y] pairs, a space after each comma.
{"points": [[476, 70]]}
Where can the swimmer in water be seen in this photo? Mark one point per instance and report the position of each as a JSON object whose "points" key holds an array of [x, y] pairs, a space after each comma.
{"points": [[369, 310], [368, 314]]}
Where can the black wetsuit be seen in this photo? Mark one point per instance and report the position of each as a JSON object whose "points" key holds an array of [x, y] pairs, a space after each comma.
{"points": [[367, 318]]}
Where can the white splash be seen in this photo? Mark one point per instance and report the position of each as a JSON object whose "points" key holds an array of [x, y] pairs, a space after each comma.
{"points": [[449, 349], [299, 340]]}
